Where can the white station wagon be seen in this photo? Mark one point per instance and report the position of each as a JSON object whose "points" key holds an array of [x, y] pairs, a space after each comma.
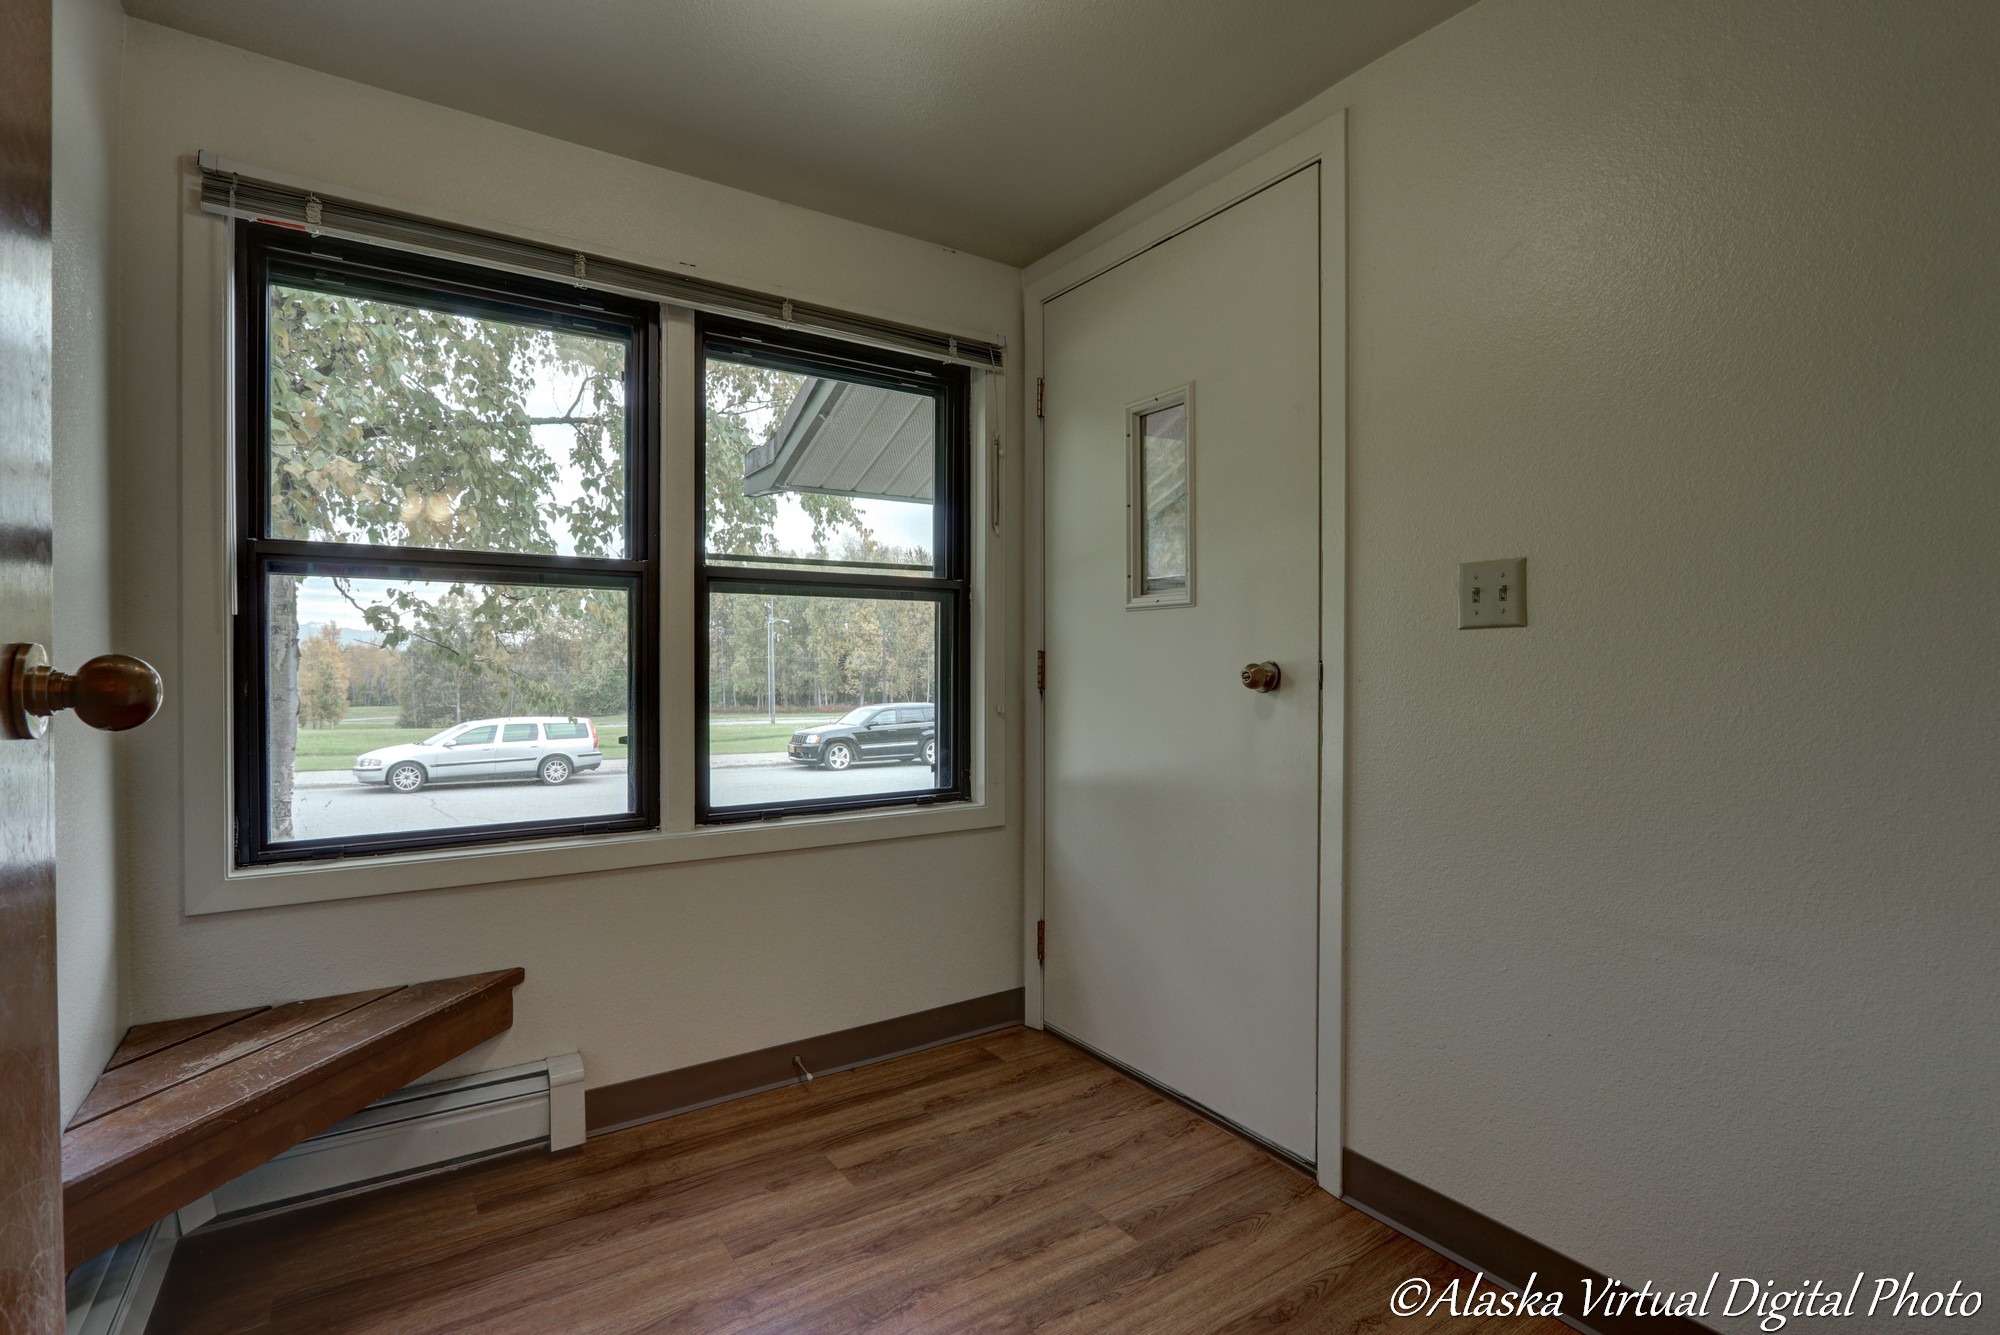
{"points": [[487, 749]]}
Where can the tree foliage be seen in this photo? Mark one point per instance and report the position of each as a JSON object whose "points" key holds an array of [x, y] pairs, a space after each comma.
{"points": [[573, 660], [405, 426], [323, 680]]}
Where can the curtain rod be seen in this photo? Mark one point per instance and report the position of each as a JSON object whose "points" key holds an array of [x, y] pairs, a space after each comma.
{"points": [[233, 194]]}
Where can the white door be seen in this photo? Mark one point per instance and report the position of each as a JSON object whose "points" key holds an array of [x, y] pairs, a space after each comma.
{"points": [[1183, 807]]}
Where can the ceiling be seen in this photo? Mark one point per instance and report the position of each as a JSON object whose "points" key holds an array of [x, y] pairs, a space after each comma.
{"points": [[999, 127]]}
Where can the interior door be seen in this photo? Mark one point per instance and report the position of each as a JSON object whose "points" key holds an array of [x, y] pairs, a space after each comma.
{"points": [[30, 1163], [1182, 808]]}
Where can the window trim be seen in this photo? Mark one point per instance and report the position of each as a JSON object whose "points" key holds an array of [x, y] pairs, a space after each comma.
{"points": [[1137, 596], [199, 665], [262, 253], [949, 587]]}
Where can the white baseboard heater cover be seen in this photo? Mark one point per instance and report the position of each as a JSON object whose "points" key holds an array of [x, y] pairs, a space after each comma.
{"points": [[420, 1129]]}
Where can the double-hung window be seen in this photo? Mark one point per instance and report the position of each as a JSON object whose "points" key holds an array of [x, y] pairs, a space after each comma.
{"points": [[832, 567], [456, 524], [447, 581]]}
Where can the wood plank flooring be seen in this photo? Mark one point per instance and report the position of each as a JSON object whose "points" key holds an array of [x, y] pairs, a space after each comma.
{"points": [[1005, 1183]]}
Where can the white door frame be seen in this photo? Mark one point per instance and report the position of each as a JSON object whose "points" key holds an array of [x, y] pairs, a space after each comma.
{"points": [[1325, 144]]}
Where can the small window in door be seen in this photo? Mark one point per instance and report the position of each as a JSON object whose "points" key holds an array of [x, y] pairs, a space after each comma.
{"points": [[1160, 500], [518, 732]]}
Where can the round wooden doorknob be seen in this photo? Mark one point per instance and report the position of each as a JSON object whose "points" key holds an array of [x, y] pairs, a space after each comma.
{"points": [[112, 691]]}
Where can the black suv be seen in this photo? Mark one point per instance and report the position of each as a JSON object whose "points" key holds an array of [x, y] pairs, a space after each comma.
{"points": [[903, 731]]}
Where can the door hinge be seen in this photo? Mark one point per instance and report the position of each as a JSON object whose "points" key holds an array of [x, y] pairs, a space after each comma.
{"points": [[1041, 387], [1041, 940], [1042, 670]]}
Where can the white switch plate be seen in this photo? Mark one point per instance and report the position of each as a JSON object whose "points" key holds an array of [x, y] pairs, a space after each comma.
{"points": [[1493, 593]]}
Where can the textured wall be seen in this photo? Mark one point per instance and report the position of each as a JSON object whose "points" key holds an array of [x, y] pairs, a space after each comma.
{"points": [[642, 971], [1674, 916], [89, 37]]}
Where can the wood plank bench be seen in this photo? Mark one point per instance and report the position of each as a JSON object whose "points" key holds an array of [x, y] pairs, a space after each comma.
{"points": [[183, 1106]]}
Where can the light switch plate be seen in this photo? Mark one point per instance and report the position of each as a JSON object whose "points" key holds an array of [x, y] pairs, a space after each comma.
{"points": [[1493, 593]]}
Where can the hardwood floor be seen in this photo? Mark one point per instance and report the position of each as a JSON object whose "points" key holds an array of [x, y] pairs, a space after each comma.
{"points": [[1005, 1183]]}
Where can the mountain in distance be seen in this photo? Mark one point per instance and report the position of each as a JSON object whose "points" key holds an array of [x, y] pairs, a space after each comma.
{"points": [[348, 634]]}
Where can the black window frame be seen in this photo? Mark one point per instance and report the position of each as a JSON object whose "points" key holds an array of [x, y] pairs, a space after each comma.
{"points": [[381, 273], [948, 587]]}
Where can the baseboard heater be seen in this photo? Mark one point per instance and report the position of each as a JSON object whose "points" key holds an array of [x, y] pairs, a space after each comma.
{"points": [[420, 1129]]}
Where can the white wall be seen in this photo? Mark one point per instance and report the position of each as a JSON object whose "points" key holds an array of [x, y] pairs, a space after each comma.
{"points": [[1674, 916], [642, 971], [88, 41]]}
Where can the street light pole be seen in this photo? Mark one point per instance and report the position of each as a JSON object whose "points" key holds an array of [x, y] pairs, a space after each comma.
{"points": [[771, 622]]}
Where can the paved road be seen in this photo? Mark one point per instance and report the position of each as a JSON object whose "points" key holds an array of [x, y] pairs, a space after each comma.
{"points": [[783, 781], [327, 806]]}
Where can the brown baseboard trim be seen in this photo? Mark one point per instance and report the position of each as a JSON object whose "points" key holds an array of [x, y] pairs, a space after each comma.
{"points": [[1484, 1244], [650, 1097]]}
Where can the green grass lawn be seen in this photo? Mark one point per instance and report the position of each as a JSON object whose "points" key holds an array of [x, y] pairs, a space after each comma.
{"points": [[367, 727]]}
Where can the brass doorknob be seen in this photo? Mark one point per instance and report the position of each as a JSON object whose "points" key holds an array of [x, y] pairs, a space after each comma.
{"points": [[112, 691], [1262, 676]]}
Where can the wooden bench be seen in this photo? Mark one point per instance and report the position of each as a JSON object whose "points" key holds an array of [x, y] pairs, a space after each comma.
{"points": [[183, 1106]]}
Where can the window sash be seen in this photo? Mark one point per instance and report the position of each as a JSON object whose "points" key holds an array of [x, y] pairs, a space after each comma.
{"points": [[803, 354], [948, 586], [253, 690], [266, 255], [954, 705]]}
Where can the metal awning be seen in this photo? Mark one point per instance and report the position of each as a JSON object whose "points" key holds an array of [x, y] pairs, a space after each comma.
{"points": [[843, 439]]}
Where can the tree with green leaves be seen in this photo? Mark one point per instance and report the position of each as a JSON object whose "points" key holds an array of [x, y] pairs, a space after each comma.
{"points": [[406, 426]]}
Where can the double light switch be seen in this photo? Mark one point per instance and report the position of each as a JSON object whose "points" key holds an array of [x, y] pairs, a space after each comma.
{"points": [[1492, 593]]}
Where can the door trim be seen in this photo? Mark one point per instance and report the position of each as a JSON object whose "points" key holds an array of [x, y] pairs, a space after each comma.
{"points": [[1324, 144]]}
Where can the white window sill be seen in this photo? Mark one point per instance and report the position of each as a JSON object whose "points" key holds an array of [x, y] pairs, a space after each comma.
{"points": [[391, 874]]}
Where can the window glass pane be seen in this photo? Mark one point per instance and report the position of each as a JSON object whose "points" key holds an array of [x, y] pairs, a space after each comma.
{"points": [[1164, 486], [412, 427], [796, 689], [814, 471], [401, 705]]}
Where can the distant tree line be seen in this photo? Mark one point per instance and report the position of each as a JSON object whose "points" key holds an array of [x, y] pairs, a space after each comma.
{"points": [[825, 654], [569, 657]]}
